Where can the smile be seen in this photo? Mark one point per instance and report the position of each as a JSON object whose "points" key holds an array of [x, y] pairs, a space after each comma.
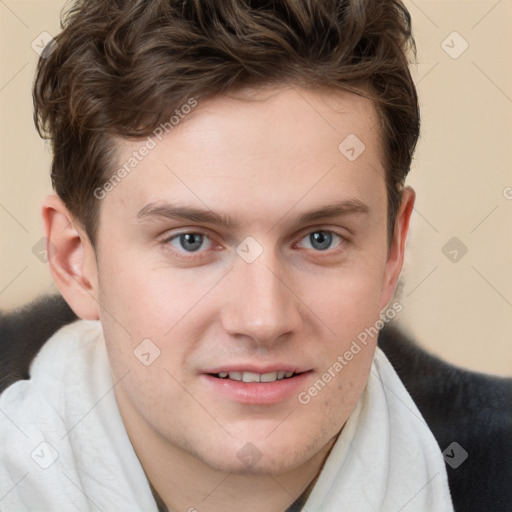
{"points": [[257, 388]]}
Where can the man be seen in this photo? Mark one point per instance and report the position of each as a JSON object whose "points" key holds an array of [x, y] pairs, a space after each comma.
{"points": [[230, 218]]}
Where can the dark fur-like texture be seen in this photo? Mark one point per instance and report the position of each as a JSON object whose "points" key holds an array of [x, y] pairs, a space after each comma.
{"points": [[469, 408]]}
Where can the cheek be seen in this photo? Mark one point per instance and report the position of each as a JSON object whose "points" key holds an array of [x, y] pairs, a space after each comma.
{"points": [[146, 344], [153, 318], [145, 299], [348, 306], [347, 300]]}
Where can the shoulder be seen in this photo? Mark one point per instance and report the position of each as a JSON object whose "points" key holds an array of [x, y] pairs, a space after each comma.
{"points": [[470, 415], [62, 426], [60, 378], [66, 357]]}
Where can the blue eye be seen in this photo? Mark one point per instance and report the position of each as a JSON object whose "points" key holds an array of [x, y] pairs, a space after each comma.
{"points": [[320, 240], [190, 242]]}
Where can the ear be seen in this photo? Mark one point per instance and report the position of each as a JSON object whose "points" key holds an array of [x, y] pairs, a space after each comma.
{"points": [[71, 258], [397, 247]]}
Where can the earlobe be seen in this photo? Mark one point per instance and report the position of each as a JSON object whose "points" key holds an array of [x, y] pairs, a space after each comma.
{"points": [[397, 247], [71, 258]]}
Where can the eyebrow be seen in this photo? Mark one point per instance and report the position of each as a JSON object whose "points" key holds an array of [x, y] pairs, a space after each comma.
{"points": [[349, 206], [174, 212], [169, 211]]}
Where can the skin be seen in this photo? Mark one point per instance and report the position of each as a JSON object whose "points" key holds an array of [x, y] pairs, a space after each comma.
{"points": [[264, 158]]}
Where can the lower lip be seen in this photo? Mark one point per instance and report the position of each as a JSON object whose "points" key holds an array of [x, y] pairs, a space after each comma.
{"points": [[258, 393]]}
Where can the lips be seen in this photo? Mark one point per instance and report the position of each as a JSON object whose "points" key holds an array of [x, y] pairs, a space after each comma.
{"points": [[257, 384]]}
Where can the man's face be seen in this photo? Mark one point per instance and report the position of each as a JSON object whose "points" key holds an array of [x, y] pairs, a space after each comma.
{"points": [[246, 242]]}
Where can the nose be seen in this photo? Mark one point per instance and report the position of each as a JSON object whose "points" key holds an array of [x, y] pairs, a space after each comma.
{"points": [[260, 303]]}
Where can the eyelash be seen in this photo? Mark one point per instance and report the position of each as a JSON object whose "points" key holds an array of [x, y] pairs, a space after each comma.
{"points": [[201, 254]]}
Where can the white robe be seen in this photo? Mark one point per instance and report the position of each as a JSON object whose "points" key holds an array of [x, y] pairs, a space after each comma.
{"points": [[63, 445]]}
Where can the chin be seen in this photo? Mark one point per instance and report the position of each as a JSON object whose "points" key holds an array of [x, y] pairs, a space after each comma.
{"points": [[265, 466], [261, 457]]}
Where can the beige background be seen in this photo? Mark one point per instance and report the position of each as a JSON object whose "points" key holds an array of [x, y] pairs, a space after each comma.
{"points": [[460, 310]]}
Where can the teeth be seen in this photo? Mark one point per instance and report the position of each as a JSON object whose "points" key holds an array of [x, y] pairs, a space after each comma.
{"points": [[251, 377], [269, 377], [255, 377]]}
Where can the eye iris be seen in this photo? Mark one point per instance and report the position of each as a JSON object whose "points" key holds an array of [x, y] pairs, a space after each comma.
{"points": [[191, 241], [320, 240]]}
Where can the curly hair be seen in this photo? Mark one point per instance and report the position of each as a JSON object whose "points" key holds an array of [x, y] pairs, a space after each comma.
{"points": [[120, 68]]}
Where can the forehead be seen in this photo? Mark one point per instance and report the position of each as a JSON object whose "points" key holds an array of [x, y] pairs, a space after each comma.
{"points": [[259, 148]]}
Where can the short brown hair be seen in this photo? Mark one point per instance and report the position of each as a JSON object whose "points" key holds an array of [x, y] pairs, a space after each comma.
{"points": [[119, 68]]}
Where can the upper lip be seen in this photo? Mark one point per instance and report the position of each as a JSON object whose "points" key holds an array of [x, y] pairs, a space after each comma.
{"points": [[251, 367]]}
